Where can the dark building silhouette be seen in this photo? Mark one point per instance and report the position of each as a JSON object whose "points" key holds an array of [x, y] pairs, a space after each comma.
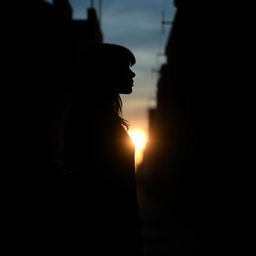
{"points": [[196, 167], [62, 10], [39, 47]]}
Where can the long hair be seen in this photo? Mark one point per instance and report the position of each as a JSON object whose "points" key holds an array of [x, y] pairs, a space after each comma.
{"points": [[117, 107], [95, 63]]}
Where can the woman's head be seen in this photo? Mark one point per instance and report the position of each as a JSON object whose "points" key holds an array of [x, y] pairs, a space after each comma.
{"points": [[106, 68]]}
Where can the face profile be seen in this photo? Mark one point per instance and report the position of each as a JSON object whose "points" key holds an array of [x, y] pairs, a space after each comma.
{"points": [[123, 79], [108, 66]]}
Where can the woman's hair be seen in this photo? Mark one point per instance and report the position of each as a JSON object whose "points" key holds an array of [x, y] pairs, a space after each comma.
{"points": [[95, 64], [118, 104], [107, 54]]}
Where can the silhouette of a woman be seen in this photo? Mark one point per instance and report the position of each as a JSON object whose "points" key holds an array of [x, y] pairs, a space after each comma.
{"points": [[100, 152]]}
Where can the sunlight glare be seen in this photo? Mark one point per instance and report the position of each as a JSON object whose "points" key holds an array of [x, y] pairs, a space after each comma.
{"points": [[139, 140]]}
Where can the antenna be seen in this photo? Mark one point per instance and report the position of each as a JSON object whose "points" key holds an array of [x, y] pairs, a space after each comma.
{"points": [[165, 22], [92, 3]]}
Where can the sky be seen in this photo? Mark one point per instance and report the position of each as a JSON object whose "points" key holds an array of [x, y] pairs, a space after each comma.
{"points": [[135, 24]]}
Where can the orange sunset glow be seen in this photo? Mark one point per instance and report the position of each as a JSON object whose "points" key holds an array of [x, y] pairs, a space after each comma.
{"points": [[139, 139]]}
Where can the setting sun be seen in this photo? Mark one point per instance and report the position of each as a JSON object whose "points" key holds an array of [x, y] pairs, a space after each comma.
{"points": [[139, 140]]}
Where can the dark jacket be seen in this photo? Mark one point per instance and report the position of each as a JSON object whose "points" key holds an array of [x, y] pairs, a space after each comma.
{"points": [[103, 206]]}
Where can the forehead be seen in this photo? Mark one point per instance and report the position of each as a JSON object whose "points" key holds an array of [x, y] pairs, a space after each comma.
{"points": [[117, 62]]}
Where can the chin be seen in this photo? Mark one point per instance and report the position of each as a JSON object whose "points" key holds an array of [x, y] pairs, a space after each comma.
{"points": [[126, 91]]}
